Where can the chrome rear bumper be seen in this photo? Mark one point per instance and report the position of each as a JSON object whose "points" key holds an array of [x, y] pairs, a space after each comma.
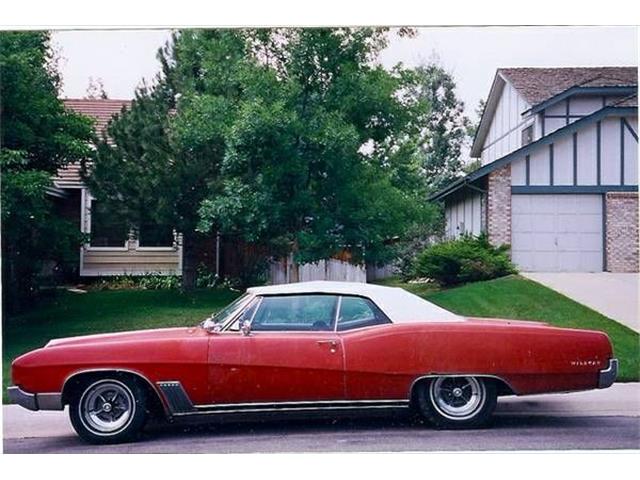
{"points": [[35, 401], [607, 376]]}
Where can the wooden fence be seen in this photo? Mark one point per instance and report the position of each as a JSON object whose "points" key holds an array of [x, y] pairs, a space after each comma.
{"points": [[377, 272], [286, 271]]}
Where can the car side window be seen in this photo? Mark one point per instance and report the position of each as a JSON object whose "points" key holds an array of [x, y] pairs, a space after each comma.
{"points": [[358, 312], [296, 313]]}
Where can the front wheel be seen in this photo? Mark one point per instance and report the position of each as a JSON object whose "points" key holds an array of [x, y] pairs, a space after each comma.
{"points": [[109, 410], [457, 402]]}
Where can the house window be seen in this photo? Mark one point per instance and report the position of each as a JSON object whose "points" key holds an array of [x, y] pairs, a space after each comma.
{"points": [[106, 230], [527, 135], [151, 234]]}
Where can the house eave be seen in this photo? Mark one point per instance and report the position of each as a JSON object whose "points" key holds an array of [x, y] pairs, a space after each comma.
{"points": [[485, 119], [448, 190]]}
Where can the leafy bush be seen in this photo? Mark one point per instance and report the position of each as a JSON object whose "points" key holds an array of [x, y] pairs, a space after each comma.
{"points": [[206, 278], [467, 259], [159, 282], [143, 282]]}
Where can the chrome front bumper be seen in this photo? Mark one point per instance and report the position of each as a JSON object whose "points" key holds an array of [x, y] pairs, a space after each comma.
{"points": [[35, 401], [607, 376]]}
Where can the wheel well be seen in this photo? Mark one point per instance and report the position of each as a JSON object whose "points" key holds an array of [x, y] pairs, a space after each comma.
{"points": [[73, 386], [502, 387]]}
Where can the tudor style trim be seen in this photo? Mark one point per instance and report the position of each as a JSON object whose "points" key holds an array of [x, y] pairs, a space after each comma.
{"points": [[570, 189], [546, 140], [630, 128], [622, 128], [599, 152]]}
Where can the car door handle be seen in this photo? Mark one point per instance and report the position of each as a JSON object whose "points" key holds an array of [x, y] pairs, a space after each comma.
{"points": [[332, 344]]}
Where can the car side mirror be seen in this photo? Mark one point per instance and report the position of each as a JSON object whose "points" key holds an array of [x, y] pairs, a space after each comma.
{"points": [[245, 327], [211, 326]]}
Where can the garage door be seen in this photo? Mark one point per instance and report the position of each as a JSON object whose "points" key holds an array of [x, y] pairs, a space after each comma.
{"points": [[557, 233]]}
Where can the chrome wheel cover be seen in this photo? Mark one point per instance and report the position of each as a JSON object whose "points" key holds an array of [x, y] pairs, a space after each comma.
{"points": [[107, 407], [457, 398]]}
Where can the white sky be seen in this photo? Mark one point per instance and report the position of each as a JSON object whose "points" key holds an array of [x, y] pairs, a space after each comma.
{"points": [[121, 58]]}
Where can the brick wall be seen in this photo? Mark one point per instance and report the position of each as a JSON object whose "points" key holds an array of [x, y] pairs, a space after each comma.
{"points": [[622, 231], [499, 206]]}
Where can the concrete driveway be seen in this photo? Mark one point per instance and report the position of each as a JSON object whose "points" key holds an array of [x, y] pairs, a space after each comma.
{"points": [[614, 295]]}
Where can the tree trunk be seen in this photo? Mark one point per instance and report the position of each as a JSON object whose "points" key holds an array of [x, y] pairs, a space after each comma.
{"points": [[189, 262], [17, 282]]}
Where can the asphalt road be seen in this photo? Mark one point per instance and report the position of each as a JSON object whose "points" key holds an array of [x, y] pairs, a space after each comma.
{"points": [[603, 420]]}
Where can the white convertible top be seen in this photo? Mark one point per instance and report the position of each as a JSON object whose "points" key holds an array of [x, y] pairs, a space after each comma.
{"points": [[398, 304]]}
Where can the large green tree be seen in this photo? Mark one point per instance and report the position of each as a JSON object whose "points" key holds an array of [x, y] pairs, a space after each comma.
{"points": [[295, 139], [37, 135], [445, 127]]}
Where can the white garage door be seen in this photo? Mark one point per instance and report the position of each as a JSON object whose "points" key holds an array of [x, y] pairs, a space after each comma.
{"points": [[557, 233]]}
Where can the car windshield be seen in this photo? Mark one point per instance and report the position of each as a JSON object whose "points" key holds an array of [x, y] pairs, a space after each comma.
{"points": [[227, 312]]}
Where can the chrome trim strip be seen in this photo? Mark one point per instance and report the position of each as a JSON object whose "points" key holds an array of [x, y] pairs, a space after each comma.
{"points": [[320, 403], [239, 311], [607, 376], [337, 315], [479, 375], [287, 407], [288, 410]]}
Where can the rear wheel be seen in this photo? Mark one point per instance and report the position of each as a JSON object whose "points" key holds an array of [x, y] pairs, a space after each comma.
{"points": [[109, 410], [457, 402]]}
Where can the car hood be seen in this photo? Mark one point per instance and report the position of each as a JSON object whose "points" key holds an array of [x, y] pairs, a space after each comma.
{"points": [[137, 335]]}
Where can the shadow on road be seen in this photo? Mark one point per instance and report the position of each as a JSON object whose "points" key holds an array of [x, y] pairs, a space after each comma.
{"points": [[361, 425], [507, 432]]}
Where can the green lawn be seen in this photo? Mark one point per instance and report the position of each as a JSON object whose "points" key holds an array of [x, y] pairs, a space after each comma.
{"points": [[514, 297], [518, 298]]}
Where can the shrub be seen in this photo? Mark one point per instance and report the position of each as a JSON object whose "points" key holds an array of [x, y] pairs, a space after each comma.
{"points": [[467, 259], [130, 282], [206, 278]]}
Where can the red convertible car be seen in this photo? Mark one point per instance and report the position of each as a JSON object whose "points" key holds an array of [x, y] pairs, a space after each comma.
{"points": [[306, 348]]}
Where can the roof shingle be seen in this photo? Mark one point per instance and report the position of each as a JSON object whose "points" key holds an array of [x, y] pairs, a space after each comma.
{"points": [[101, 110], [537, 84]]}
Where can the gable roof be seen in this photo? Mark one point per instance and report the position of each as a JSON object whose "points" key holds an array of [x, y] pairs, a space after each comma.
{"points": [[537, 85], [101, 110], [622, 108]]}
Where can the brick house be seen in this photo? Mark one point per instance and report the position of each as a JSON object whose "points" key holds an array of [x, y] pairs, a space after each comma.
{"points": [[558, 179]]}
